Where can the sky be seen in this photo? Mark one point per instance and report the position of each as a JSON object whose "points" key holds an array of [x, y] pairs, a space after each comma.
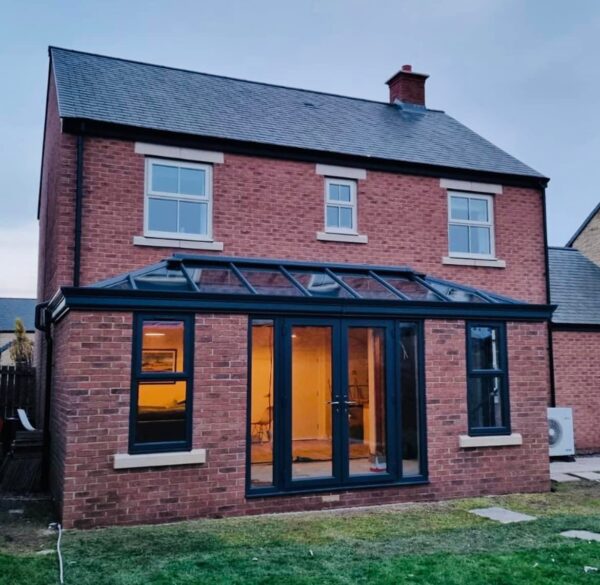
{"points": [[522, 73]]}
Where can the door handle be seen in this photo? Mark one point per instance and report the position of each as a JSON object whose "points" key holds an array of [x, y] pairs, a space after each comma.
{"points": [[332, 402], [350, 403]]}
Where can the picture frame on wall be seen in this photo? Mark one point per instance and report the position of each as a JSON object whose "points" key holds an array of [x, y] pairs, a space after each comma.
{"points": [[159, 360]]}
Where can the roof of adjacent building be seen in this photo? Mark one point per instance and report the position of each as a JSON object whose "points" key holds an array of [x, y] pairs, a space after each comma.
{"points": [[583, 225], [141, 95], [574, 287], [11, 309]]}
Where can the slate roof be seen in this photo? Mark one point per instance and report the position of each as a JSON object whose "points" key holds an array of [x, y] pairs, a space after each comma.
{"points": [[142, 95], [574, 287], [10, 309]]}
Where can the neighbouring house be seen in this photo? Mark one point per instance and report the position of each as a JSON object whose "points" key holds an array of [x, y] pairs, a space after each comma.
{"points": [[256, 298], [12, 309], [587, 238], [575, 289]]}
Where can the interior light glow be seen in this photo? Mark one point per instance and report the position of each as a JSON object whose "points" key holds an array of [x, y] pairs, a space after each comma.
{"points": [[152, 334]]}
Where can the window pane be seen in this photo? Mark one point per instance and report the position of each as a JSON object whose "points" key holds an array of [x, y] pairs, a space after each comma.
{"points": [[346, 218], [161, 412], [367, 287], [484, 348], [480, 240], [459, 238], [192, 181], [163, 279], [270, 282], [162, 215], [165, 178], [312, 430], [414, 290], [367, 396], [320, 284], [217, 280], [162, 346], [459, 207], [485, 408], [334, 192], [193, 218], [344, 192], [478, 210], [262, 400], [409, 395], [333, 216]]}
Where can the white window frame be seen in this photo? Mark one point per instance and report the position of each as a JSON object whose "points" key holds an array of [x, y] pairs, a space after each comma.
{"points": [[352, 204], [471, 223], [207, 198]]}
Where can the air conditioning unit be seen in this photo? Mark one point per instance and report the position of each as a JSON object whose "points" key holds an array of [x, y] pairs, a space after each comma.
{"points": [[560, 432]]}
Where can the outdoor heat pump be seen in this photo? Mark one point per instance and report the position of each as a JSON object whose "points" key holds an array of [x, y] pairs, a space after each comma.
{"points": [[560, 432]]}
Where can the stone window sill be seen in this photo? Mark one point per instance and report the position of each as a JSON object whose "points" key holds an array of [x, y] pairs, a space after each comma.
{"points": [[126, 461], [174, 243], [347, 238], [467, 442], [492, 263]]}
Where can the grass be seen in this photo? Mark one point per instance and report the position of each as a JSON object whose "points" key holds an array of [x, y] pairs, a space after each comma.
{"points": [[420, 544]]}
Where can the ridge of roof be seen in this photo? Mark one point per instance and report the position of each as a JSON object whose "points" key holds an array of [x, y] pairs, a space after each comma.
{"points": [[229, 78], [583, 225]]}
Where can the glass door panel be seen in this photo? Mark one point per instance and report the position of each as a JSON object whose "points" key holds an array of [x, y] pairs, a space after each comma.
{"points": [[311, 402], [366, 401]]}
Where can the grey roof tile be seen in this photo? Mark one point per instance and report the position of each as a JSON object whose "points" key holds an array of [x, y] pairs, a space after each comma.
{"points": [[10, 309], [574, 287], [148, 96]]}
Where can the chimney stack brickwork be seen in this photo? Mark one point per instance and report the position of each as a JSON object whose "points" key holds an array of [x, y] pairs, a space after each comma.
{"points": [[407, 86]]}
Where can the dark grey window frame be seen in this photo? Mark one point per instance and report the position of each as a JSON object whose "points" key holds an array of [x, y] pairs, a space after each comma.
{"points": [[137, 377], [501, 372]]}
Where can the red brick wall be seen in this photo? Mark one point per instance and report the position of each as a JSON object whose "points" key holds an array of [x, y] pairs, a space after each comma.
{"points": [[92, 404], [273, 208], [577, 381]]}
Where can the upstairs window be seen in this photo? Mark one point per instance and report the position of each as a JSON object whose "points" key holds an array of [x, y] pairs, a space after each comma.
{"points": [[161, 409], [470, 225], [340, 206], [178, 200], [487, 373]]}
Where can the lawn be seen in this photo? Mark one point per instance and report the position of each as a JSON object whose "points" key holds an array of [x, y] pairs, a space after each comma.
{"points": [[426, 544]]}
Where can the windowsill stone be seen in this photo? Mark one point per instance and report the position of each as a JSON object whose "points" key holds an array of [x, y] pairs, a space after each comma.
{"points": [[126, 461], [491, 263], [175, 243], [347, 238], [467, 442]]}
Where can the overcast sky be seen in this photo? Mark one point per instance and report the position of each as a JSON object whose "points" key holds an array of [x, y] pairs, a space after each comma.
{"points": [[522, 73]]}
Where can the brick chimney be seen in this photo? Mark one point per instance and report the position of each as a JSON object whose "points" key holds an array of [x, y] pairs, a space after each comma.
{"points": [[407, 86]]}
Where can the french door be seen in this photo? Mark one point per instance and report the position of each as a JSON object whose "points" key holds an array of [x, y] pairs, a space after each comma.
{"points": [[339, 402]]}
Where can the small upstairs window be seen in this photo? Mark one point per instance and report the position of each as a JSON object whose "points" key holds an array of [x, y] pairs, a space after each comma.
{"points": [[178, 201], [487, 379], [340, 206], [470, 225]]}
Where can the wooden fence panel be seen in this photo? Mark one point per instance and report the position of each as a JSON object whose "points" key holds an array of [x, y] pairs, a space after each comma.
{"points": [[17, 390]]}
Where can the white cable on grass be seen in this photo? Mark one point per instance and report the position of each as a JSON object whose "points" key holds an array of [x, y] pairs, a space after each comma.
{"points": [[60, 561]]}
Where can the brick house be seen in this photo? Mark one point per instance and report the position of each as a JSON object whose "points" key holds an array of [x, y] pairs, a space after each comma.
{"points": [[575, 289], [260, 299]]}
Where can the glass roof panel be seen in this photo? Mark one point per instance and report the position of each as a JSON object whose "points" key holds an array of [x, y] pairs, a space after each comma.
{"points": [[217, 279], [456, 293], [415, 291], [367, 287], [270, 282], [163, 279], [121, 285], [320, 284]]}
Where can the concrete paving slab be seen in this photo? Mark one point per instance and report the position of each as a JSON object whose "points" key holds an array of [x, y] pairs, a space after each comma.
{"points": [[563, 477], [589, 475], [581, 534], [591, 463], [502, 515]]}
